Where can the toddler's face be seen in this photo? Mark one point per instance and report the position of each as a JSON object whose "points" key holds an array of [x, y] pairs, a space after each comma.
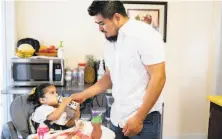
{"points": [[51, 96]]}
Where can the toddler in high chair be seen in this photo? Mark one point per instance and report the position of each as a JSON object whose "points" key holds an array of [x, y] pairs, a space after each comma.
{"points": [[57, 116]]}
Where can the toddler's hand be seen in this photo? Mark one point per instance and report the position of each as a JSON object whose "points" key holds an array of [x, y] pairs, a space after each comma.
{"points": [[66, 100], [77, 112]]}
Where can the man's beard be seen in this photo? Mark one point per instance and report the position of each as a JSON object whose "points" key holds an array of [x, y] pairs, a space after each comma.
{"points": [[112, 38]]}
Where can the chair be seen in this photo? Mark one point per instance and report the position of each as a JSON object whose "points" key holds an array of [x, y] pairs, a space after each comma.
{"points": [[20, 111]]}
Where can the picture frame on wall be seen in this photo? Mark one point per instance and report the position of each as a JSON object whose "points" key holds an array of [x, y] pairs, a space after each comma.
{"points": [[153, 13]]}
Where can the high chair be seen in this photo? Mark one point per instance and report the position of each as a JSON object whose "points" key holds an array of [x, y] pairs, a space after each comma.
{"points": [[20, 111]]}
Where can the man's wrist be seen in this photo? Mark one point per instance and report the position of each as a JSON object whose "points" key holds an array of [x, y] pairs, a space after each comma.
{"points": [[141, 115], [85, 95]]}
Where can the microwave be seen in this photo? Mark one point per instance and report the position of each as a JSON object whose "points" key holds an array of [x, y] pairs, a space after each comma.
{"points": [[35, 71]]}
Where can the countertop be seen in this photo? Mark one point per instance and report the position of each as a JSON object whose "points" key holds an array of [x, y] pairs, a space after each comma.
{"points": [[60, 90], [216, 99]]}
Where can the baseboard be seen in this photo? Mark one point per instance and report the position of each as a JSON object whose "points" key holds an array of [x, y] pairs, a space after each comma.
{"points": [[187, 136]]}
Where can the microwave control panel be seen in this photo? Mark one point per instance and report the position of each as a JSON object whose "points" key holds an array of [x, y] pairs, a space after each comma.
{"points": [[57, 72]]}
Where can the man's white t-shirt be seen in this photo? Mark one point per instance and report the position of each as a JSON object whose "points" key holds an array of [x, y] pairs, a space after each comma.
{"points": [[138, 44]]}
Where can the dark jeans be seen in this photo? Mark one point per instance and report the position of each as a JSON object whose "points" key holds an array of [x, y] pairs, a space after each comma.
{"points": [[151, 128]]}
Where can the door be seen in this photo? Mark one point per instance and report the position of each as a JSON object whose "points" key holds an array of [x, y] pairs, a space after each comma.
{"points": [[30, 72]]}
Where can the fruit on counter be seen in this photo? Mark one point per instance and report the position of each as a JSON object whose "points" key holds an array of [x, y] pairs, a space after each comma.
{"points": [[52, 47], [51, 51], [42, 47], [90, 74], [45, 49], [25, 51], [22, 54], [26, 48]]}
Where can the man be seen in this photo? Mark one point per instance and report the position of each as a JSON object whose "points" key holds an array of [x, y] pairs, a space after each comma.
{"points": [[134, 55]]}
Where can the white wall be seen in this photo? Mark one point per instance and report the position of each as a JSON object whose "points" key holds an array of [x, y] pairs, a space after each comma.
{"points": [[218, 51], [188, 54], [53, 21], [190, 50]]}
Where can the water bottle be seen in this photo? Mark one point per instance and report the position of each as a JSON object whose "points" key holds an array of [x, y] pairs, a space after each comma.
{"points": [[101, 70], [74, 77], [68, 78], [81, 75], [96, 123], [42, 131]]}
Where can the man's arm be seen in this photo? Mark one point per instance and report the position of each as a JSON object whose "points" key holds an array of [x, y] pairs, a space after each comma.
{"points": [[99, 87], [154, 88]]}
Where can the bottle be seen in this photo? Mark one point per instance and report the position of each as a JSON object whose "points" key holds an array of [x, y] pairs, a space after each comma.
{"points": [[68, 78], [101, 70], [74, 77], [81, 74], [96, 122], [61, 50], [72, 104], [42, 131]]}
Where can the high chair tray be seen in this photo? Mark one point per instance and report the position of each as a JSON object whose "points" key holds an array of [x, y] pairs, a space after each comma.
{"points": [[86, 130]]}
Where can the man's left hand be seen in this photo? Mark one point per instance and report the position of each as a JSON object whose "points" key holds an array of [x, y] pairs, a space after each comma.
{"points": [[133, 126]]}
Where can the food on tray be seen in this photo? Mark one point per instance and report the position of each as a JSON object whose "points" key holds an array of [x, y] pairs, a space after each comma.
{"points": [[80, 125], [72, 135]]}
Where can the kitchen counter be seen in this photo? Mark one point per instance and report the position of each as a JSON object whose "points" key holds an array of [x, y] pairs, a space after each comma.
{"points": [[60, 90], [216, 99]]}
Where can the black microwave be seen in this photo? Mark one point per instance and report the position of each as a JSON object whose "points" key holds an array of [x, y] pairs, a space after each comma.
{"points": [[34, 71]]}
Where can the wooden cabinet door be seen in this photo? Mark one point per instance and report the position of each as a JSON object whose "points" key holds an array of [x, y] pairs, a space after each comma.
{"points": [[215, 124]]}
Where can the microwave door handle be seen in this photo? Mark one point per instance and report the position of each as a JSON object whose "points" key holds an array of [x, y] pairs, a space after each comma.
{"points": [[51, 71], [12, 77], [62, 66]]}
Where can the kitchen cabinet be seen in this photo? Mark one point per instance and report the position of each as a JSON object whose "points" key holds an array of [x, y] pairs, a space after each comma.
{"points": [[215, 118]]}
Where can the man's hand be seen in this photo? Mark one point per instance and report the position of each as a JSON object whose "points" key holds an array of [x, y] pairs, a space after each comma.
{"points": [[78, 97], [133, 126]]}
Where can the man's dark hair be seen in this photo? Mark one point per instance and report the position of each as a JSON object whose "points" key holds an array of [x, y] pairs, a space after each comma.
{"points": [[106, 8]]}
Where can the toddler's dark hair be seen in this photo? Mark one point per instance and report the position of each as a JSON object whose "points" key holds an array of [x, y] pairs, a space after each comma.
{"points": [[39, 93]]}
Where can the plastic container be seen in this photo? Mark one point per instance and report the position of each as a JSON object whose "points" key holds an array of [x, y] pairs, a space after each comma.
{"points": [[96, 122], [75, 77], [81, 74], [68, 78], [42, 131]]}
